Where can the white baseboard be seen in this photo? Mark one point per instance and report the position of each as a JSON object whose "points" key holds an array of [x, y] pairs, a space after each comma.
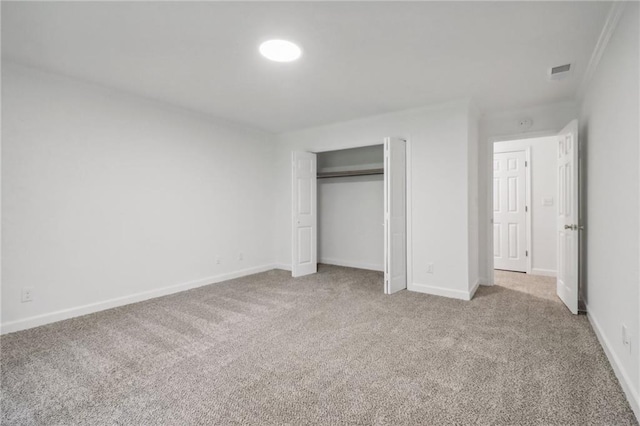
{"points": [[625, 382], [484, 281], [440, 291], [48, 318], [543, 272], [350, 264], [283, 266], [474, 288]]}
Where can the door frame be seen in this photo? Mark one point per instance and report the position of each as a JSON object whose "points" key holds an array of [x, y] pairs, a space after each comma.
{"points": [[360, 144], [527, 199], [489, 182]]}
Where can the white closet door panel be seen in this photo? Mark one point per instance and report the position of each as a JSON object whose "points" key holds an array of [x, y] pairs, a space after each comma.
{"points": [[304, 215], [395, 215]]}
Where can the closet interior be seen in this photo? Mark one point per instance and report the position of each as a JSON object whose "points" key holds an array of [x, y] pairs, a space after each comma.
{"points": [[350, 191]]}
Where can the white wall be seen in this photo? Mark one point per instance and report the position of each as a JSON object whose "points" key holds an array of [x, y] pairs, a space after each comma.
{"points": [[610, 133], [350, 218], [438, 160], [547, 120], [544, 178], [106, 196]]}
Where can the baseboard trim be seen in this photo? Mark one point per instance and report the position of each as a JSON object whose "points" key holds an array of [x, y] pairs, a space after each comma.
{"points": [[625, 382], [484, 281], [283, 266], [440, 291], [350, 264], [63, 314], [474, 288], [544, 272]]}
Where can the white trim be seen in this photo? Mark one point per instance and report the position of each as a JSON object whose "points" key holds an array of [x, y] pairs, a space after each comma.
{"points": [[474, 288], [294, 197], [529, 209], [440, 291], [544, 272], [341, 147], [283, 266], [51, 317], [615, 13], [351, 264], [409, 214], [523, 136], [625, 381]]}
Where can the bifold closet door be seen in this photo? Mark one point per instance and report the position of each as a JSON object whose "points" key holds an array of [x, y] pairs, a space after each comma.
{"points": [[395, 232], [304, 215]]}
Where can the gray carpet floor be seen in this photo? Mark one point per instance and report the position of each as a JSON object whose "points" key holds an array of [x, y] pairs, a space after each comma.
{"points": [[324, 349]]}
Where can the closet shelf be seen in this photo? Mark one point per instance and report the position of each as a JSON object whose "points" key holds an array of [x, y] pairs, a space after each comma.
{"points": [[347, 173]]}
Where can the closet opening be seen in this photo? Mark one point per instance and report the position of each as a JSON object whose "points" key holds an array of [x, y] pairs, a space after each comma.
{"points": [[350, 185], [349, 209]]}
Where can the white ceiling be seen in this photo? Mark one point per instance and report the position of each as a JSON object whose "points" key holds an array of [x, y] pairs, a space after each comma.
{"points": [[359, 58]]}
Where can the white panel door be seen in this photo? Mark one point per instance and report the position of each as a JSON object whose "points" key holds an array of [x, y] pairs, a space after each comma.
{"points": [[395, 235], [304, 214], [568, 230], [509, 211]]}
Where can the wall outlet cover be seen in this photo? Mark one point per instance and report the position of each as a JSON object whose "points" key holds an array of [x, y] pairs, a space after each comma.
{"points": [[27, 294]]}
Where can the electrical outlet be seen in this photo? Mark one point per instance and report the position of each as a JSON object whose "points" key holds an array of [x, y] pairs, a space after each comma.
{"points": [[626, 338], [240, 256], [429, 268], [218, 261], [27, 294]]}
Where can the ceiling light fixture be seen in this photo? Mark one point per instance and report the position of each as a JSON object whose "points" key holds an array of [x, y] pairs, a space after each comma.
{"points": [[280, 50]]}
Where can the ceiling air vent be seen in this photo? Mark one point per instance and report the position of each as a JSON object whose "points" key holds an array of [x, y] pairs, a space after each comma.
{"points": [[559, 72]]}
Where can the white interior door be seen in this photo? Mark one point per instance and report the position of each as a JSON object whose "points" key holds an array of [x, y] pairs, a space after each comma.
{"points": [[395, 235], [568, 229], [509, 211], [304, 216]]}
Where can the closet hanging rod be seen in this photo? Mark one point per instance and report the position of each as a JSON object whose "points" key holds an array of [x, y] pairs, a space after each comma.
{"points": [[347, 173]]}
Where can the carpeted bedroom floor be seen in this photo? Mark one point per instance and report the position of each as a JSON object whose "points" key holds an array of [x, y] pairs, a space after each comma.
{"points": [[324, 349]]}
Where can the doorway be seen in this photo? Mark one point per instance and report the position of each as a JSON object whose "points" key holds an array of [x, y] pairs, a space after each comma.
{"points": [[535, 209], [524, 206], [305, 210]]}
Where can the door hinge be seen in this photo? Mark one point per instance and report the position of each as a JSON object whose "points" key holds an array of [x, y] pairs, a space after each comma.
{"points": [[526, 208], [526, 164], [526, 253]]}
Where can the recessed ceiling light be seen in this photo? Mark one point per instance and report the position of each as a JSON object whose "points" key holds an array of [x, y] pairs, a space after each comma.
{"points": [[280, 50]]}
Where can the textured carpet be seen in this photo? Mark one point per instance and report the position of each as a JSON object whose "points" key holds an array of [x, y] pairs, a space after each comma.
{"points": [[324, 349]]}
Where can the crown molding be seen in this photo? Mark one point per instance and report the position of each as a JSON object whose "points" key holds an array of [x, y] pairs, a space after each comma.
{"points": [[615, 13]]}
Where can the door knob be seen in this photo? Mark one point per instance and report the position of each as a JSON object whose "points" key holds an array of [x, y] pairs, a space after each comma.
{"points": [[572, 227]]}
